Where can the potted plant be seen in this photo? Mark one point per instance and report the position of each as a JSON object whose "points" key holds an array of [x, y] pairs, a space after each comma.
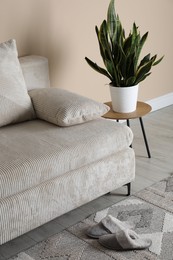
{"points": [[120, 56]]}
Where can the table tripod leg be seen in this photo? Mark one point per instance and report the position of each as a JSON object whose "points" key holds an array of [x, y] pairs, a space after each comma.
{"points": [[145, 138], [128, 124]]}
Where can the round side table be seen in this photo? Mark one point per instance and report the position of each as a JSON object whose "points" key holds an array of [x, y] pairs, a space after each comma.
{"points": [[141, 110]]}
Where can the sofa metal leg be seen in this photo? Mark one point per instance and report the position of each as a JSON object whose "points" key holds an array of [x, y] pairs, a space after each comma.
{"points": [[128, 188]]}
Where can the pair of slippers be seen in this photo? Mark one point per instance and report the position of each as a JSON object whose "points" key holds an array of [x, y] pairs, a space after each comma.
{"points": [[116, 235]]}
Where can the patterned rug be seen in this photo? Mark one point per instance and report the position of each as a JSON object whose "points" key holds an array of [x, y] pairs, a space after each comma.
{"points": [[150, 211]]}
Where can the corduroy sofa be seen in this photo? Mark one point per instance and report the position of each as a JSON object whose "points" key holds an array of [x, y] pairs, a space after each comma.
{"points": [[56, 151]]}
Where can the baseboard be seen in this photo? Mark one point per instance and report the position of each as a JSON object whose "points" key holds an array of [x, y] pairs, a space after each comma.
{"points": [[161, 102]]}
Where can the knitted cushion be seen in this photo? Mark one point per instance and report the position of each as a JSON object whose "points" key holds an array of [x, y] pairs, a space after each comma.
{"points": [[64, 108]]}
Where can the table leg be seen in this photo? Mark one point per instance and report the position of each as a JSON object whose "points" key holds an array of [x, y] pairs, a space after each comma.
{"points": [[145, 138], [128, 124]]}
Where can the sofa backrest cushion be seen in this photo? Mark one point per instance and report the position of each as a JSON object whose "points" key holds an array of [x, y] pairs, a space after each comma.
{"points": [[16, 105], [35, 71], [64, 108]]}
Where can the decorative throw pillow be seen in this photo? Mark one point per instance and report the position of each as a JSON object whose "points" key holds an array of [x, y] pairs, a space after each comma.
{"points": [[65, 108], [16, 105]]}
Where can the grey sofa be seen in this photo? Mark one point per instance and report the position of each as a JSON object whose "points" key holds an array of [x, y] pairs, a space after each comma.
{"points": [[47, 170]]}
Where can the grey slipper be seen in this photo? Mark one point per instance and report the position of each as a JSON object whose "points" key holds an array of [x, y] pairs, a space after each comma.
{"points": [[124, 239], [107, 225]]}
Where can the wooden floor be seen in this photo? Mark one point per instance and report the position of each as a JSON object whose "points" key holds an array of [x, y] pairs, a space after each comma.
{"points": [[159, 131]]}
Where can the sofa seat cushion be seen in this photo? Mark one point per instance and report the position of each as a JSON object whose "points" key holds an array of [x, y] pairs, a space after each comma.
{"points": [[37, 151]]}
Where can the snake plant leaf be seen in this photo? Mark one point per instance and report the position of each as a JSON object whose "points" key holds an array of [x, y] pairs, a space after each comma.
{"points": [[116, 79], [144, 60], [102, 51], [115, 53], [107, 48], [111, 19], [119, 32], [131, 81], [123, 64], [127, 44], [118, 55], [97, 68], [142, 78], [143, 39], [134, 34], [119, 62], [143, 70], [130, 65], [158, 61], [135, 39], [153, 58], [141, 43], [109, 67], [103, 39]]}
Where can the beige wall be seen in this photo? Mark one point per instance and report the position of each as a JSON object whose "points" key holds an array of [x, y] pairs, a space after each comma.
{"points": [[64, 32]]}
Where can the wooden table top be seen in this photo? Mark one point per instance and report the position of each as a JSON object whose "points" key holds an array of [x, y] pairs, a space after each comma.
{"points": [[141, 110]]}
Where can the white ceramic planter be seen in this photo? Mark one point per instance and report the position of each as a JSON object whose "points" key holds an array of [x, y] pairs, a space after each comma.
{"points": [[124, 99]]}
